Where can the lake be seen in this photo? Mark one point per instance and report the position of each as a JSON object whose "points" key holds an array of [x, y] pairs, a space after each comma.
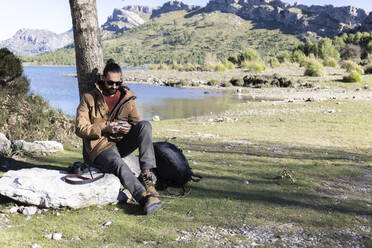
{"points": [[166, 102]]}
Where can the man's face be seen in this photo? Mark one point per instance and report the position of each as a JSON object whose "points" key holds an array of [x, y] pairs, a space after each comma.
{"points": [[111, 82]]}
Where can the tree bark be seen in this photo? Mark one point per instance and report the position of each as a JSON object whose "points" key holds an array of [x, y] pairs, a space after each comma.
{"points": [[88, 48]]}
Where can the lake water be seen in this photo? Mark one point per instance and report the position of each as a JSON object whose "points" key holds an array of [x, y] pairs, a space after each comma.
{"points": [[168, 103]]}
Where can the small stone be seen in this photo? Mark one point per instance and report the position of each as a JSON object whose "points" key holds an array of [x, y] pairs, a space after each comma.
{"points": [[108, 223], [57, 236], [13, 210], [30, 210], [330, 111], [116, 209], [58, 214], [48, 236], [156, 118], [246, 182], [35, 245]]}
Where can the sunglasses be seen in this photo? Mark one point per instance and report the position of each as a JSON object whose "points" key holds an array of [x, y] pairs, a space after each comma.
{"points": [[111, 83]]}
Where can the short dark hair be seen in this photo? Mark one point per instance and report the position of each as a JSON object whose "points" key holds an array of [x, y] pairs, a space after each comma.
{"points": [[111, 66]]}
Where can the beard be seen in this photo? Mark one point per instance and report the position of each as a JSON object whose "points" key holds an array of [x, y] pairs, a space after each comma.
{"points": [[109, 92]]}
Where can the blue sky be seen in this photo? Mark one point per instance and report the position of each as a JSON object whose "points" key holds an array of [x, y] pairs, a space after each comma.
{"points": [[55, 15]]}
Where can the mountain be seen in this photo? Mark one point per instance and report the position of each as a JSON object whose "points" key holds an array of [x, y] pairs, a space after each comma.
{"points": [[180, 33], [322, 20], [28, 42]]}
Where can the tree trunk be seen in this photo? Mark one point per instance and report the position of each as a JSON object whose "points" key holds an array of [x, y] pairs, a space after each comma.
{"points": [[88, 48]]}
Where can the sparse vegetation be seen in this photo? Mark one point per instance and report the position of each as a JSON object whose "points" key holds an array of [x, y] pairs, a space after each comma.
{"points": [[314, 69], [349, 66], [352, 77]]}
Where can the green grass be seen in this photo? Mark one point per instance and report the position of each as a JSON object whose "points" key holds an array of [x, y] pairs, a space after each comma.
{"points": [[329, 154]]}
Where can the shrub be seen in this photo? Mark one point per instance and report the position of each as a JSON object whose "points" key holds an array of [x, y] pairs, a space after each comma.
{"points": [[314, 69], [228, 65], [297, 56], [237, 82], [351, 51], [283, 56], [212, 82], [226, 84], [190, 67], [349, 66], [163, 67], [253, 65], [176, 67], [10, 66], [153, 67], [249, 55], [330, 62], [274, 62], [220, 67], [368, 69], [233, 59], [352, 77]]}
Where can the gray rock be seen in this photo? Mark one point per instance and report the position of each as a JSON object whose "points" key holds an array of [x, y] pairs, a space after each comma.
{"points": [[31, 210], [4, 145], [39, 147], [46, 189], [139, 9], [156, 118], [121, 20], [57, 236], [133, 163], [173, 6]]}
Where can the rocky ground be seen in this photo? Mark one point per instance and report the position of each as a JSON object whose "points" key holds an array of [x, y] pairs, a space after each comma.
{"points": [[328, 87]]}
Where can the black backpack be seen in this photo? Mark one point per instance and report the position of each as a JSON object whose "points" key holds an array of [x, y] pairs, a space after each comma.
{"points": [[172, 167]]}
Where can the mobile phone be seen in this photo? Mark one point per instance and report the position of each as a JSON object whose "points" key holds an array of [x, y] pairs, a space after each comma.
{"points": [[121, 123]]}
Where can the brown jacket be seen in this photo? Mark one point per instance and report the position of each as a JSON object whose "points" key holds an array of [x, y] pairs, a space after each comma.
{"points": [[93, 115]]}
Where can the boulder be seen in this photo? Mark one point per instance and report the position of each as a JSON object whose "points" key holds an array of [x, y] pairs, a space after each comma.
{"points": [[39, 147], [47, 189], [4, 145]]}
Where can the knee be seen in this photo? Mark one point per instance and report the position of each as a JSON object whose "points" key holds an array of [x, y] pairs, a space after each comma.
{"points": [[145, 125]]}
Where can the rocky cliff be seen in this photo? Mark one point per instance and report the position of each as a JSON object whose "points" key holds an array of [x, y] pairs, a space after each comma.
{"points": [[323, 20], [121, 20], [367, 24], [28, 42], [173, 6]]}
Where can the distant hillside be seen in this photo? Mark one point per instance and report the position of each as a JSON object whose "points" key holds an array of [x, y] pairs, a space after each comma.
{"points": [[177, 32], [174, 38], [28, 42]]}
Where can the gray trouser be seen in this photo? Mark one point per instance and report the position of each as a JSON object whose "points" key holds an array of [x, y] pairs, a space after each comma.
{"points": [[109, 161]]}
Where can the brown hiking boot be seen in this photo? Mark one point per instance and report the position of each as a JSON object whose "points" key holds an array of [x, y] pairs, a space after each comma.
{"points": [[146, 179], [150, 203]]}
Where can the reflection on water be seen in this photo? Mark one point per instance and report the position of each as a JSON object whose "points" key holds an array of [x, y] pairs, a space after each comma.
{"points": [[168, 103], [171, 108]]}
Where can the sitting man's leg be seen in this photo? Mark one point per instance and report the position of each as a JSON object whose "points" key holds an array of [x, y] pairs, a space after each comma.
{"points": [[140, 136], [110, 161]]}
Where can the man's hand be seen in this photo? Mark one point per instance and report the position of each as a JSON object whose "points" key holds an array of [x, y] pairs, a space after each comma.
{"points": [[112, 128], [124, 129]]}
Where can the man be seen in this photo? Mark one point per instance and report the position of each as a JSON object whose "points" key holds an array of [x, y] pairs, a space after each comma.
{"points": [[105, 141]]}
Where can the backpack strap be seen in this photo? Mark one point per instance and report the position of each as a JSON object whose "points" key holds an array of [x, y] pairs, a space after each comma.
{"points": [[196, 177], [71, 179]]}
